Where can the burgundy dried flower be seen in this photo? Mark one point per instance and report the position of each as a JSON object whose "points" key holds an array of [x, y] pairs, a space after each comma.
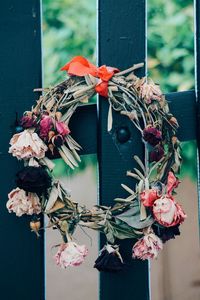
{"points": [[33, 179], [166, 233], [157, 153], [109, 260], [152, 135], [28, 122], [57, 140]]}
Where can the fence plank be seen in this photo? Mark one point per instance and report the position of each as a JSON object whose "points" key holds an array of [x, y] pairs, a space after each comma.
{"points": [[121, 42], [21, 259]]}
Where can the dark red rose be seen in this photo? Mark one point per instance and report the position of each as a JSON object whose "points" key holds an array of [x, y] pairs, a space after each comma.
{"points": [[33, 179], [28, 122], [109, 260], [152, 135], [57, 140], [166, 233], [157, 153]]}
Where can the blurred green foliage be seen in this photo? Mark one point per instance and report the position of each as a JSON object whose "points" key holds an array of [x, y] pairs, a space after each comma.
{"points": [[61, 168], [69, 29], [189, 156], [171, 44]]}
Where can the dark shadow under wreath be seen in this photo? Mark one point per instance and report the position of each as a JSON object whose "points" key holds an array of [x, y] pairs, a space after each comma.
{"points": [[149, 214]]}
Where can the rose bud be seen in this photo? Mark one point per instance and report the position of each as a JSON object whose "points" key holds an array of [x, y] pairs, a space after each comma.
{"points": [[109, 260], [152, 135], [173, 121], [35, 226], [51, 134], [58, 115]]}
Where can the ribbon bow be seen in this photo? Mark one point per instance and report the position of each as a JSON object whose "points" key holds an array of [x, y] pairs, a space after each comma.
{"points": [[80, 66]]}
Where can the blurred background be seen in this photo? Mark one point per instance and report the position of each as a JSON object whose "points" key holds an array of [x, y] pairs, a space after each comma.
{"points": [[69, 29]]}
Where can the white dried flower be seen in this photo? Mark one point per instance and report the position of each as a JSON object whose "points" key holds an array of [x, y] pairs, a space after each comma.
{"points": [[27, 144], [22, 203]]}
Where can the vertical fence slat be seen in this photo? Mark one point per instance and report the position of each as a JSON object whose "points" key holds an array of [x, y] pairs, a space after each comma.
{"points": [[197, 88], [121, 42], [22, 259]]}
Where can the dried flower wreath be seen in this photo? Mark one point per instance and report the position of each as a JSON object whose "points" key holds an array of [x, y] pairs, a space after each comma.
{"points": [[149, 214]]}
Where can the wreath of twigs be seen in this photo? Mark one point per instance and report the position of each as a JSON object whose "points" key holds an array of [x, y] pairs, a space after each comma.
{"points": [[149, 214]]}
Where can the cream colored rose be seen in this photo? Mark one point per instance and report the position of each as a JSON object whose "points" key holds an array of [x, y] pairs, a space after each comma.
{"points": [[26, 145], [22, 203]]}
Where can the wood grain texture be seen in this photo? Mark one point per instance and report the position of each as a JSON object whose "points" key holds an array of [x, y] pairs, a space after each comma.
{"points": [[121, 43], [21, 258]]}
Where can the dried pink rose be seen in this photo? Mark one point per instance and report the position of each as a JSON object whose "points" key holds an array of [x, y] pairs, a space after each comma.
{"points": [[147, 247], [167, 212], [46, 125], [70, 254], [27, 144], [22, 203], [62, 128]]}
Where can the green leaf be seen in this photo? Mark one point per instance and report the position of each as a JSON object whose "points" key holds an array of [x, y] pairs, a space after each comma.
{"points": [[132, 218]]}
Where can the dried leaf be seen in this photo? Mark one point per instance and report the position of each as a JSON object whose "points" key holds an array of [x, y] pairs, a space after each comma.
{"points": [[140, 163], [110, 118], [132, 218], [57, 205], [52, 198], [127, 189]]}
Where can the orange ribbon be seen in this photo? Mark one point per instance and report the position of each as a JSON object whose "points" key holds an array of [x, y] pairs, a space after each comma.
{"points": [[80, 66]]}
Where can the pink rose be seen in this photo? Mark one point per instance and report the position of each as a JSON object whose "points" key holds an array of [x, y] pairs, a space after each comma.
{"points": [[45, 126], [167, 212], [149, 196], [147, 247], [22, 203], [62, 128], [70, 254]]}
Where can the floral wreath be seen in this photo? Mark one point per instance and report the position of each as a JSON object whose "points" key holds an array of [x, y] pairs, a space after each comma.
{"points": [[149, 214]]}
